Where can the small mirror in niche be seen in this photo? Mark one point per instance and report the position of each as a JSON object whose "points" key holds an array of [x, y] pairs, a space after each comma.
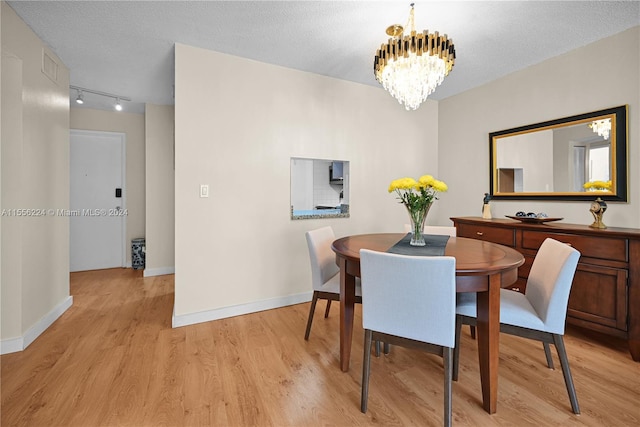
{"points": [[319, 188]]}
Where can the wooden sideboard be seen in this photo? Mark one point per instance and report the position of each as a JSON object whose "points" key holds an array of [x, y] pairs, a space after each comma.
{"points": [[605, 295]]}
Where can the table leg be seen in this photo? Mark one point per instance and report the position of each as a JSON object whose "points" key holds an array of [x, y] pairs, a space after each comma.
{"points": [[488, 334], [347, 302]]}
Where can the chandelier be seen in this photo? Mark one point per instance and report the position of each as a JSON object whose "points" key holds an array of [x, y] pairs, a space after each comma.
{"points": [[601, 127], [410, 67]]}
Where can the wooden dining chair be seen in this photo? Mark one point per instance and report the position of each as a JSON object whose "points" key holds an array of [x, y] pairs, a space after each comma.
{"points": [[325, 274], [435, 229], [540, 313], [409, 301]]}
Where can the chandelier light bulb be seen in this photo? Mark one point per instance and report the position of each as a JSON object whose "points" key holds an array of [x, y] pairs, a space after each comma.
{"points": [[601, 127]]}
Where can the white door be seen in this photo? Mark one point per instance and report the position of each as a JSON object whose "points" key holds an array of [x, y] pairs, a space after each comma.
{"points": [[97, 214]]}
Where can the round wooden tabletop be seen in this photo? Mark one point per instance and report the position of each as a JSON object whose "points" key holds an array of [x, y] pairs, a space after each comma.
{"points": [[473, 257]]}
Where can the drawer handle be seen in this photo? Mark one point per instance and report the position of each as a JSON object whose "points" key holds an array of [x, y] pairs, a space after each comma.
{"points": [[479, 233]]}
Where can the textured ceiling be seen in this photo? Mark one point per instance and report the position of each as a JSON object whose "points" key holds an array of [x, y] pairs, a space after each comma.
{"points": [[126, 47]]}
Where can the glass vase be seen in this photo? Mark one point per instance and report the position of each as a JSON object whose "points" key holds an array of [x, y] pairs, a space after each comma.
{"points": [[417, 218]]}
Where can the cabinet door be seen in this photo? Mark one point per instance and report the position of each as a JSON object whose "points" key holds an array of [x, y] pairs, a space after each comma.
{"points": [[598, 295]]}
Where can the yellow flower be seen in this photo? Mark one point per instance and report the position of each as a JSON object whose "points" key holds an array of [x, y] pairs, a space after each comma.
{"points": [[598, 185], [402, 184], [426, 181], [440, 186], [417, 195]]}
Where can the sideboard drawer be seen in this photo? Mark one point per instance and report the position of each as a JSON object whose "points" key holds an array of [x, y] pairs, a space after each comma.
{"points": [[608, 248], [500, 235]]}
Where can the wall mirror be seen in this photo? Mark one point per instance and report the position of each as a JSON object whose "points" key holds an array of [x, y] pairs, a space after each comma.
{"points": [[553, 160], [319, 188]]}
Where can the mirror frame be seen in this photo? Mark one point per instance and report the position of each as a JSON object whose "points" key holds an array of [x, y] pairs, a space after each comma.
{"points": [[618, 164]]}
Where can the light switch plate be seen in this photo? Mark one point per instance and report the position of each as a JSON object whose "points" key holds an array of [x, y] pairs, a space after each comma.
{"points": [[204, 190]]}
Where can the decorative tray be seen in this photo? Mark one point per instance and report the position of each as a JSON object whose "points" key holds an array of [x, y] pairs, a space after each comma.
{"points": [[533, 220]]}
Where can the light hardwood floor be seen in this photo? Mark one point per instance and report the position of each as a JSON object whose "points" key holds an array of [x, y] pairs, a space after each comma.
{"points": [[113, 360]]}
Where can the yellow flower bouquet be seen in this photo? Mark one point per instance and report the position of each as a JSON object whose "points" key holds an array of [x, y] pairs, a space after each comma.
{"points": [[597, 186], [417, 197]]}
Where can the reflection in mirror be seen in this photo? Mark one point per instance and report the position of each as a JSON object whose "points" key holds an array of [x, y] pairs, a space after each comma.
{"points": [[319, 188], [557, 158]]}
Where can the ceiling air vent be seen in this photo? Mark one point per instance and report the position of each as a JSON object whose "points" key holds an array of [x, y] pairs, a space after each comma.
{"points": [[49, 66]]}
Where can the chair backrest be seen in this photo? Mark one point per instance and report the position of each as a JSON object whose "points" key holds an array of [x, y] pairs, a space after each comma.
{"points": [[435, 229], [409, 296], [549, 283], [323, 259]]}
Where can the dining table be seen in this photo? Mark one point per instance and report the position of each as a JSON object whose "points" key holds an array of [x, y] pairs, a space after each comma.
{"points": [[481, 266]]}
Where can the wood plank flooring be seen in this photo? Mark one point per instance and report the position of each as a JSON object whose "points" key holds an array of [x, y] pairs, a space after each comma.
{"points": [[113, 360]]}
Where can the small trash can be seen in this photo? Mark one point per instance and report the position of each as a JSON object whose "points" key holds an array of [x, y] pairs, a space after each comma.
{"points": [[137, 253]]}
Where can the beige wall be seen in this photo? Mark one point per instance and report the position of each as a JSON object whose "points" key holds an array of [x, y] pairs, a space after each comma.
{"points": [[159, 172], [601, 75], [35, 175], [238, 123], [132, 125]]}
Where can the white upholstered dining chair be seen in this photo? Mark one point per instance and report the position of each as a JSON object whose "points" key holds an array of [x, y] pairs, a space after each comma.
{"points": [[441, 230], [409, 301], [325, 274], [540, 313]]}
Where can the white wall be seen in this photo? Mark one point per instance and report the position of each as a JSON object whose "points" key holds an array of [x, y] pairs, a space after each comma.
{"points": [[34, 260], [132, 125], [159, 179], [238, 123], [531, 153], [577, 82]]}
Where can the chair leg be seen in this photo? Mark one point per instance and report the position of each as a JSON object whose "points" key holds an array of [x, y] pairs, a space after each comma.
{"points": [[366, 369], [314, 300], [547, 354], [456, 349], [558, 341], [387, 348], [326, 311], [447, 354], [472, 329]]}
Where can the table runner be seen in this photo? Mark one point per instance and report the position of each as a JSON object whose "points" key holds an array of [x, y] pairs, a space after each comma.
{"points": [[435, 245]]}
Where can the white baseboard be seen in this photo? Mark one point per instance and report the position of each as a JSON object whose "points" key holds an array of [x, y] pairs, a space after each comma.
{"points": [[149, 272], [238, 310], [13, 345]]}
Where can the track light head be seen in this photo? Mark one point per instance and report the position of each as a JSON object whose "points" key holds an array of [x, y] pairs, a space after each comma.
{"points": [[118, 106], [80, 98]]}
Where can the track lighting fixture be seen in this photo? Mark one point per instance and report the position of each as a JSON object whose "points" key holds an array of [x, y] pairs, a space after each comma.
{"points": [[118, 98]]}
